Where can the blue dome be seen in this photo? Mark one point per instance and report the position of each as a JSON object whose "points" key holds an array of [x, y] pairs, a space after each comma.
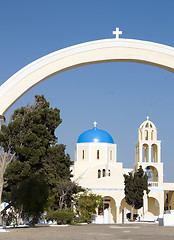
{"points": [[95, 135]]}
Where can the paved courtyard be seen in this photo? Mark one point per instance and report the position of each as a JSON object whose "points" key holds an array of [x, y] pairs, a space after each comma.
{"points": [[91, 232]]}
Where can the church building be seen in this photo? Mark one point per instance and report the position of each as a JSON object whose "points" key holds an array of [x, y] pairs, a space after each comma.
{"points": [[96, 167]]}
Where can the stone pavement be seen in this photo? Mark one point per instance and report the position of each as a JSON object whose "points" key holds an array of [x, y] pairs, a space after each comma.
{"points": [[136, 231]]}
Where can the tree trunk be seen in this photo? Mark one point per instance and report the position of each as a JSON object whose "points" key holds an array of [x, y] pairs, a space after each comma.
{"points": [[1, 188], [132, 213], [61, 203], [5, 159]]}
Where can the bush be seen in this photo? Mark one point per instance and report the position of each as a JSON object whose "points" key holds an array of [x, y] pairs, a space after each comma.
{"points": [[60, 216], [11, 219], [86, 204], [135, 216]]}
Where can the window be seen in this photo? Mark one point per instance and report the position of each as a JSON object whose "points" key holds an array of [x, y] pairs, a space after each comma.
{"points": [[146, 135], [154, 153], [99, 173], [97, 154], [145, 153], [147, 125], [104, 172], [83, 154], [152, 135]]}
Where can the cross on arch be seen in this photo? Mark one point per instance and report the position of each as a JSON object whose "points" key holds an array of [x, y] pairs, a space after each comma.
{"points": [[117, 32]]}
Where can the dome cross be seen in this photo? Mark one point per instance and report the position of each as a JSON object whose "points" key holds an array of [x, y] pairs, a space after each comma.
{"points": [[95, 124]]}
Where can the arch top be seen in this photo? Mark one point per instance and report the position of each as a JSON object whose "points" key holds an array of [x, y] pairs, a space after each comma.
{"points": [[106, 50]]}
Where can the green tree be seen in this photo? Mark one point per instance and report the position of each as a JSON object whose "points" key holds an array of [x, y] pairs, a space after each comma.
{"points": [[135, 185], [29, 135], [31, 131], [56, 165], [86, 204], [33, 199]]}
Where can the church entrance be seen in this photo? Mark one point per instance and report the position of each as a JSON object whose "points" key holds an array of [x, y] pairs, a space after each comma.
{"points": [[104, 212], [107, 213]]}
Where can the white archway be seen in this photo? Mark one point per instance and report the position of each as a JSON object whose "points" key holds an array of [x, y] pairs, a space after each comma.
{"points": [[107, 50]]}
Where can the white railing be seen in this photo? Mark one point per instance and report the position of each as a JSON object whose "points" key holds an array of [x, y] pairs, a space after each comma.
{"points": [[153, 184]]}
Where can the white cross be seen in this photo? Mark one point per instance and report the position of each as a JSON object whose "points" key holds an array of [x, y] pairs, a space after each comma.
{"points": [[95, 124], [117, 33], [147, 118]]}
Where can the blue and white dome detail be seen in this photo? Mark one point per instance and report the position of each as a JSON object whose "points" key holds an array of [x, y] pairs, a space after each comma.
{"points": [[95, 135]]}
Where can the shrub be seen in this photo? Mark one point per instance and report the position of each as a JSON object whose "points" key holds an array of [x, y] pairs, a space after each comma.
{"points": [[11, 219], [60, 216], [135, 216], [86, 204]]}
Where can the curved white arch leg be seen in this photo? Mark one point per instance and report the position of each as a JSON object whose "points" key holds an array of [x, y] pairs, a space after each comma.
{"points": [[107, 50]]}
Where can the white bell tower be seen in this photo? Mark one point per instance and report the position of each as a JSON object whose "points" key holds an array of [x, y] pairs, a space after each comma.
{"points": [[148, 152]]}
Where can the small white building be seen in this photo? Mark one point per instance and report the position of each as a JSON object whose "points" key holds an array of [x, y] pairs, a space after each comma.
{"points": [[96, 168]]}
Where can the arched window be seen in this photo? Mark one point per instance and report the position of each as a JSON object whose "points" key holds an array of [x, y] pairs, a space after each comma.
{"points": [[104, 172], [99, 173], [155, 153], [98, 156], [141, 136], [146, 135], [145, 153], [152, 138], [83, 154], [152, 173]]}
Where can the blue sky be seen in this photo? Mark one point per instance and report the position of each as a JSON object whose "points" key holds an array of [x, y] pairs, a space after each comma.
{"points": [[118, 96]]}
